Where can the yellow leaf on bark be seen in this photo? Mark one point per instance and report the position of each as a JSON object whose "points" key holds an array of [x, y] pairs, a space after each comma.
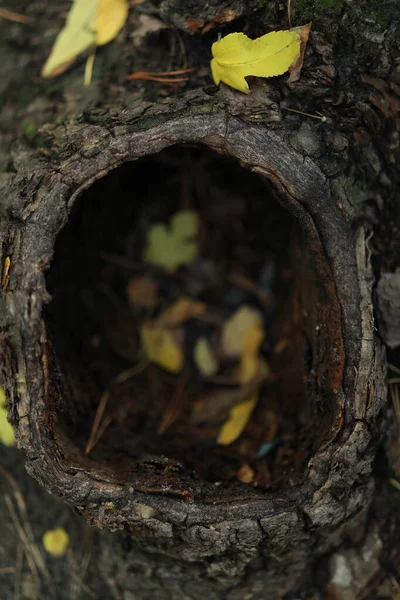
{"points": [[236, 56], [111, 17], [161, 348], [76, 37], [89, 23], [55, 541], [6, 429]]}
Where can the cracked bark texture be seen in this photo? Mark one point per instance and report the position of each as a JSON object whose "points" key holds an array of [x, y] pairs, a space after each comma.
{"points": [[330, 174]]}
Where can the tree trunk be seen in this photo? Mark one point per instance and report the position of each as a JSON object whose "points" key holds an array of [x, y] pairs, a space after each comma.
{"points": [[322, 155]]}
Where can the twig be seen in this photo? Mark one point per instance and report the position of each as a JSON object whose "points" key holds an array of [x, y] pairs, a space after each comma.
{"points": [[120, 261], [394, 390], [289, 12], [6, 570], [320, 117], [10, 15], [5, 271], [161, 77], [78, 574], [97, 419], [29, 550], [129, 373], [18, 571], [394, 483], [175, 405], [394, 369], [87, 79], [25, 525]]}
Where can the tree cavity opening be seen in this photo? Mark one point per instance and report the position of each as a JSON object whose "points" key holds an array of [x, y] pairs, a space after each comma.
{"points": [[255, 249]]}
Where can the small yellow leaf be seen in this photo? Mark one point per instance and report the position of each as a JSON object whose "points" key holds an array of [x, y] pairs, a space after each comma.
{"points": [[174, 246], [238, 419], [204, 358], [236, 56], [55, 541], [235, 333], [161, 348], [6, 429], [77, 36], [182, 310], [111, 17], [89, 23]]}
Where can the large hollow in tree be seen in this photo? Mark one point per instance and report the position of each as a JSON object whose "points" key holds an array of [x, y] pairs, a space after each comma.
{"points": [[80, 211], [245, 231]]}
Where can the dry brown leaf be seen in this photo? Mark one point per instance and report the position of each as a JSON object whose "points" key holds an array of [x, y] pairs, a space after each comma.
{"points": [[295, 69], [217, 405], [245, 474], [147, 25], [143, 293], [182, 310], [241, 281]]}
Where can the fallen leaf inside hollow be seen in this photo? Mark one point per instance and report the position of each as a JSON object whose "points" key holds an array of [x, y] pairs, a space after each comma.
{"points": [[238, 419], [250, 365], [236, 56], [176, 245], [161, 347], [204, 358], [89, 23], [245, 474], [217, 405], [6, 429], [55, 541], [143, 293], [180, 311], [235, 329]]}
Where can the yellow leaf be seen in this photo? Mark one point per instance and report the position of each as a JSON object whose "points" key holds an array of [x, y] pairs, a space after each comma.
{"points": [[76, 37], [235, 338], [204, 358], [238, 419], [161, 348], [174, 246], [6, 429], [182, 310], [111, 17], [236, 56], [252, 367], [55, 541], [89, 22]]}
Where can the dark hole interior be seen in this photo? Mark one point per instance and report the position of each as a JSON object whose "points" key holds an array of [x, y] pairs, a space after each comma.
{"points": [[250, 253]]}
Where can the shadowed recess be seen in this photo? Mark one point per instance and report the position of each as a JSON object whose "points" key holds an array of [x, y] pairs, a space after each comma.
{"points": [[128, 416]]}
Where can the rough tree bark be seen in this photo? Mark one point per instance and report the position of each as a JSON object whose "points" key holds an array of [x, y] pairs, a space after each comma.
{"points": [[335, 166]]}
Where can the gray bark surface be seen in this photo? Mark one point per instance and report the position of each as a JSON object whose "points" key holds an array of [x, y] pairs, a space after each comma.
{"points": [[338, 177]]}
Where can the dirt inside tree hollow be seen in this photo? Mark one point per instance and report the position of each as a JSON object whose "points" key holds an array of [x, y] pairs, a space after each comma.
{"points": [[250, 252]]}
